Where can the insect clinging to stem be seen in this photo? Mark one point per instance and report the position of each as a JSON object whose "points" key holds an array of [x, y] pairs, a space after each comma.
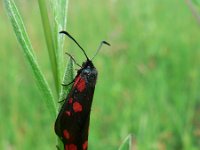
{"points": [[72, 123]]}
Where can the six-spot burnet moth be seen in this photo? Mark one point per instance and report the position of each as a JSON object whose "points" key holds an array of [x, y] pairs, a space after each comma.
{"points": [[72, 123]]}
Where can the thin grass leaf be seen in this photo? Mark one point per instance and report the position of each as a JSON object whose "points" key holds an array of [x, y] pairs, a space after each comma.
{"points": [[24, 41], [60, 19], [124, 142], [50, 43], [59, 144], [68, 78]]}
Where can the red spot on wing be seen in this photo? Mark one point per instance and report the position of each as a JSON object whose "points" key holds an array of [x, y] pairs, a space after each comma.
{"points": [[80, 84], [66, 134], [68, 113], [76, 81], [70, 147], [77, 107], [85, 144], [70, 100]]}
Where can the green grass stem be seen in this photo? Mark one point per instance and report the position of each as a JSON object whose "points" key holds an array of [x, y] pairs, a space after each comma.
{"points": [[49, 42], [23, 39]]}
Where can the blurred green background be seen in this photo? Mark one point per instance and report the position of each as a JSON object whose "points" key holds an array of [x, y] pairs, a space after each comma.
{"points": [[148, 83]]}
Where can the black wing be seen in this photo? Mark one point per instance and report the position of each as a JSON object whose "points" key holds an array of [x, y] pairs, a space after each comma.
{"points": [[72, 123]]}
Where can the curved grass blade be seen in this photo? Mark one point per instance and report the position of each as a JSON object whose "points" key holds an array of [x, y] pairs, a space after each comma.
{"points": [[59, 23], [50, 43], [24, 41], [128, 139], [68, 77]]}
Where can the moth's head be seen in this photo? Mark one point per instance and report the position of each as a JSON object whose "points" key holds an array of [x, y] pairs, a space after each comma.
{"points": [[89, 73]]}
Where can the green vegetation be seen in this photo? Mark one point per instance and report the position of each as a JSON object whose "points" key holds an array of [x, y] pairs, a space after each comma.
{"points": [[148, 84]]}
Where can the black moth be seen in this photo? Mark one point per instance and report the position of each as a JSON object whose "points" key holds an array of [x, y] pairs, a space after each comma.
{"points": [[72, 123]]}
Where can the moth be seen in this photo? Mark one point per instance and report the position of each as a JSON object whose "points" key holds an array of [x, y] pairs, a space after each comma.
{"points": [[72, 123]]}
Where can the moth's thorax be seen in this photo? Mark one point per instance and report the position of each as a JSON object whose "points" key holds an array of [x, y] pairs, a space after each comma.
{"points": [[89, 73]]}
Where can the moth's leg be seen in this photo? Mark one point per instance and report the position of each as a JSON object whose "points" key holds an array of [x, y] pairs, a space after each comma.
{"points": [[68, 83], [73, 59], [61, 101]]}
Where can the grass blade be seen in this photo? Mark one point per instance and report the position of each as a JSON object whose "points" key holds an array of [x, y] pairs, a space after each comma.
{"points": [[129, 140], [24, 41], [50, 43], [60, 19], [68, 77]]}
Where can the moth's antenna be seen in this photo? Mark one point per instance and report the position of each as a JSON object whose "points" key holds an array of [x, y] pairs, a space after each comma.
{"points": [[97, 51], [66, 33]]}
